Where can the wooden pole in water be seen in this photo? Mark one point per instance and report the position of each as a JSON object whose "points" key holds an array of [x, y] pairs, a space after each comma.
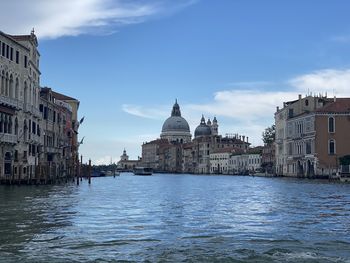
{"points": [[77, 169], [89, 171], [81, 168]]}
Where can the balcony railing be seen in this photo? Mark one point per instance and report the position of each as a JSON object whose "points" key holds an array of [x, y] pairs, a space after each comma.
{"points": [[32, 109], [8, 138], [12, 102]]}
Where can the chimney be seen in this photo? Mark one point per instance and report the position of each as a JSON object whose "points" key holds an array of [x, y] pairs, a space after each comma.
{"points": [[335, 98], [247, 139], [299, 96], [277, 108], [243, 138]]}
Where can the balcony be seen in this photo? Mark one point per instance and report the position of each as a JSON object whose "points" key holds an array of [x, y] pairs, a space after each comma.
{"points": [[32, 109], [8, 138], [11, 102]]}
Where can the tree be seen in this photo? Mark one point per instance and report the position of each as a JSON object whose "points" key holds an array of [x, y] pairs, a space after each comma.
{"points": [[268, 136]]}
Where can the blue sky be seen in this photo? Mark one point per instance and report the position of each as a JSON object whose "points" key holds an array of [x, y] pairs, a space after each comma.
{"points": [[127, 61]]}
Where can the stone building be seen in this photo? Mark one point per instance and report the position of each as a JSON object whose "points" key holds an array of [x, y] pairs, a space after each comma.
{"points": [[26, 138], [175, 152], [219, 160], [74, 123], [20, 121], [315, 136], [125, 164], [150, 153], [268, 158], [57, 126]]}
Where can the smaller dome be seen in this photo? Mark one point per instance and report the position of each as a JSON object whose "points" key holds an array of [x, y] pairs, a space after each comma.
{"points": [[202, 129]]}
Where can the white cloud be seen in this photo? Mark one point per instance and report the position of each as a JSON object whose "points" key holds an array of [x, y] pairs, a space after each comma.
{"points": [[53, 19], [100, 151], [333, 81], [149, 113], [249, 109], [244, 104]]}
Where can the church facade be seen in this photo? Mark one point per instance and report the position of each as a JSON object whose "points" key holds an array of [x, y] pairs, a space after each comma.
{"points": [[175, 152]]}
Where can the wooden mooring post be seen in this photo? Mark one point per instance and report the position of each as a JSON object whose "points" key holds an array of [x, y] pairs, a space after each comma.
{"points": [[81, 168], [77, 169], [89, 171]]}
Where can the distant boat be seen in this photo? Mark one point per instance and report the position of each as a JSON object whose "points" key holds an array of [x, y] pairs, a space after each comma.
{"points": [[98, 174], [143, 171]]}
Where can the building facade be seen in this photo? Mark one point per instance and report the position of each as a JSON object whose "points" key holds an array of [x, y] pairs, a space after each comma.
{"points": [[125, 164], [23, 137], [310, 138], [175, 152]]}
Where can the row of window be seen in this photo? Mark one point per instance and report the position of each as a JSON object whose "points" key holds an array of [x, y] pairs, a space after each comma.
{"points": [[250, 161], [8, 52], [49, 114]]}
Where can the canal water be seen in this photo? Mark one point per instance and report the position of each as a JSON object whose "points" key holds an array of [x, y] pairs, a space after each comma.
{"points": [[176, 218]]}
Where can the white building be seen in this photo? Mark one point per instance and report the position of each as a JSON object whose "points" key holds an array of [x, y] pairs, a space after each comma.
{"points": [[244, 163], [20, 120], [219, 161]]}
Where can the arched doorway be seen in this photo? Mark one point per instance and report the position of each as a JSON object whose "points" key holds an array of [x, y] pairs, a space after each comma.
{"points": [[300, 169], [8, 164]]}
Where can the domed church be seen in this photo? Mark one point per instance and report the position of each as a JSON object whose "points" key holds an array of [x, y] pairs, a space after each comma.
{"points": [[206, 129], [176, 128]]}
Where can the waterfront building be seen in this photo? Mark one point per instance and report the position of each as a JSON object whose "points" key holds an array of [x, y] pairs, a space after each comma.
{"points": [[29, 141], [175, 152], [170, 157], [315, 136], [125, 164], [74, 123], [20, 126], [58, 151], [150, 153], [219, 161], [246, 162], [188, 165], [268, 158]]}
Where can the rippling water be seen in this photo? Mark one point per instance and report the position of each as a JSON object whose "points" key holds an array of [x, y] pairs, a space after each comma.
{"points": [[176, 218]]}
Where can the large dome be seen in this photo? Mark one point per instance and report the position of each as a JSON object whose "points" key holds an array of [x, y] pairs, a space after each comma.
{"points": [[176, 128], [175, 123], [202, 129]]}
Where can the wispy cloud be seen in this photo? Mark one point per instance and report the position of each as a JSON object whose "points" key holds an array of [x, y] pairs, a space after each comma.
{"points": [[250, 108], [332, 81], [150, 113], [54, 19]]}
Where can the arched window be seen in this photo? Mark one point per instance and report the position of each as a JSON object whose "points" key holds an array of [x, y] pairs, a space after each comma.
{"points": [[7, 84], [1, 122], [2, 82], [25, 130], [11, 93], [331, 147], [331, 124], [6, 124], [25, 95], [9, 130], [16, 89], [16, 126]]}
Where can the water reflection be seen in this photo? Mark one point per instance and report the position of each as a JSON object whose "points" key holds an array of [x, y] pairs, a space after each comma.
{"points": [[176, 218]]}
